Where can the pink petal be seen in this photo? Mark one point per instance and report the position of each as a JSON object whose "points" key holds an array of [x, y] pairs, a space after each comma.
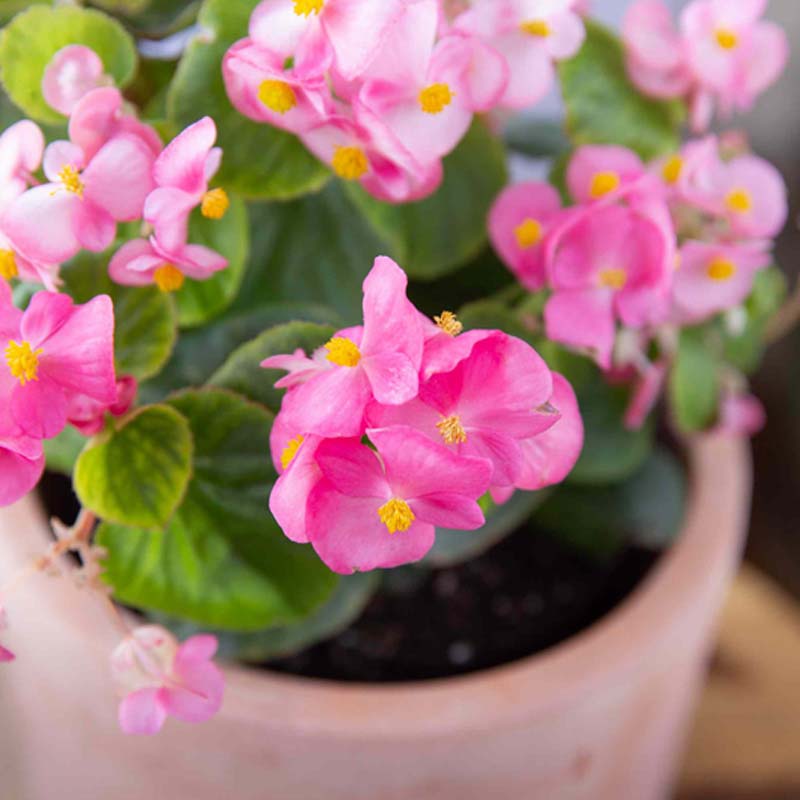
{"points": [[566, 36], [19, 473], [531, 72], [142, 712], [60, 154], [94, 226], [352, 468], [392, 377], [46, 314], [71, 73], [591, 160], [167, 209], [182, 163], [275, 27], [133, 263], [582, 319], [500, 449], [40, 408]]}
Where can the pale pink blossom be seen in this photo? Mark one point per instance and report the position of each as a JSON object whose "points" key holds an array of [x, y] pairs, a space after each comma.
{"points": [[70, 75]]}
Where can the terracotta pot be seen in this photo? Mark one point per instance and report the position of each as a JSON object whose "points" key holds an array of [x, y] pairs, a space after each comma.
{"points": [[599, 717]]}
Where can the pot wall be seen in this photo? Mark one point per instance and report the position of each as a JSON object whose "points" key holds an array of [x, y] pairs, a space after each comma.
{"points": [[600, 716]]}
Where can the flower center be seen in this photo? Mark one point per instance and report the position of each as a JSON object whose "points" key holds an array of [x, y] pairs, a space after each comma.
{"points": [[215, 204], [528, 233], [452, 430], [396, 515], [435, 98], [448, 322], [168, 278], [304, 8], [290, 451], [23, 361], [603, 183], [277, 96], [721, 269], [672, 168], [350, 163], [343, 352], [535, 27], [70, 177], [740, 201], [8, 265], [726, 38], [613, 278]]}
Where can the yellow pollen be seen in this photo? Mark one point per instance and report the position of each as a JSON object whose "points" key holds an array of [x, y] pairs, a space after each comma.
{"points": [[721, 269], [8, 265], [277, 96], [168, 278], [23, 361], [452, 430], [435, 98], [396, 515], [603, 183], [726, 38], [350, 163], [70, 177], [535, 27], [740, 201], [671, 170], [528, 233], [290, 451], [305, 7], [215, 204], [343, 352], [448, 322], [613, 278]]}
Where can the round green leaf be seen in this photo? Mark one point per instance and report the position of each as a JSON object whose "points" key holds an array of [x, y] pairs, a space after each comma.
{"points": [[31, 39], [136, 472], [694, 381]]}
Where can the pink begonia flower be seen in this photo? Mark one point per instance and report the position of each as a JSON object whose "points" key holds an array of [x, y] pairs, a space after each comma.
{"points": [[51, 353], [519, 222], [531, 34], [182, 173], [715, 277], [142, 262], [21, 467], [318, 33], [492, 399], [5, 654], [260, 87], [87, 415], [378, 510], [160, 678], [84, 200], [645, 395], [603, 172], [383, 364], [71, 74], [740, 415]]}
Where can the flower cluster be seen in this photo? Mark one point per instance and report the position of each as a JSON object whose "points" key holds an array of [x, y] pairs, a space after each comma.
{"points": [[382, 91], [447, 417], [722, 56]]}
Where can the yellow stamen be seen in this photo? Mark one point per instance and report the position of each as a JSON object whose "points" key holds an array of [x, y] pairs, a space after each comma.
{"points": [[740, 201], [721, 269], [8, 265], [290, 451], [215, 204], [603, 183], [452, 430], [672, 168], [23, 361], [277, 96], [304, 8], [726, 38], [613, 278], [343, 352], [448, 322], [535, 27], [528, 233], [350, 163], [70, 177], [435, 98], [168, 278], [396, 515]]}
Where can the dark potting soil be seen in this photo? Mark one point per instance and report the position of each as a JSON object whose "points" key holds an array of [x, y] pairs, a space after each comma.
{"points": [[524, 595]]}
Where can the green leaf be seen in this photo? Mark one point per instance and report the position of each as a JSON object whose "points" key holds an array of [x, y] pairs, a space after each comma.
{"points": [[260, 161], [137, 470], [222, 561], [243, 374], [63, 451], [199, 301], [33, 37], [694, 382], [435, 236], [603, 106]]}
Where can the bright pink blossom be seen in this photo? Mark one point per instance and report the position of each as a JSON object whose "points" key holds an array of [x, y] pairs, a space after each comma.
{"points": [[379, 510], [603, 172], [160, 678], [71, 74], [88, 416]]}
